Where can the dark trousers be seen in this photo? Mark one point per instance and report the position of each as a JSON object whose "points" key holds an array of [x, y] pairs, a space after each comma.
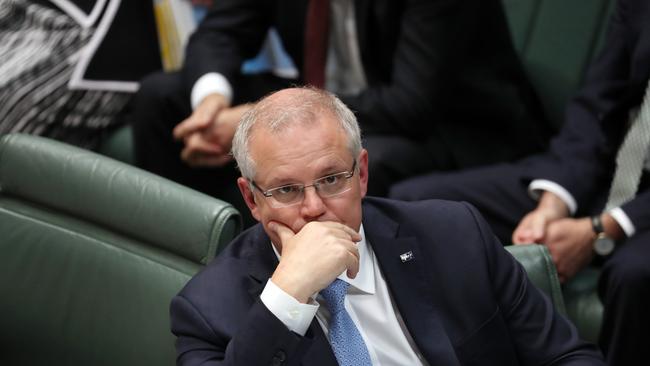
{"points": [[497, 191], [500, 192], [162, 103]]}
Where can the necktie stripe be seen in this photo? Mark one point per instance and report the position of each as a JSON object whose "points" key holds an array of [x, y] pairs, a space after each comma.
{"points": [[631, 156]]}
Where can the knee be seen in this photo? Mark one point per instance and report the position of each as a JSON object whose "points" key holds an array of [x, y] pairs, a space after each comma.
{"points": [[154, 89], [628, 273], [159, 98], [423, 187]]}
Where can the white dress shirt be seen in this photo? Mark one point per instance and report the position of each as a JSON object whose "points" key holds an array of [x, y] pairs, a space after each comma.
{"points": [[344, 74], [369, 304]]}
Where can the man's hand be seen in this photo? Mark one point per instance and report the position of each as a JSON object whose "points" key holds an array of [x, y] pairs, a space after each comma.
{"points": [[570, 242], [211, 146], [202, 117], [314, 257], [533, 227]]}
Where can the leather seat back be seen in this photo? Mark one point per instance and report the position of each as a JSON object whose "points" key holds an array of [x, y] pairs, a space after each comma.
{"points": [[556, 40], [540, 269], [91, 253]]}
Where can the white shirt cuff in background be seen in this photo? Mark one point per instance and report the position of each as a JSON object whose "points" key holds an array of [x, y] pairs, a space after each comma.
{"points": [[623, 221], [294, 314], [538, 185], [210, 83]]}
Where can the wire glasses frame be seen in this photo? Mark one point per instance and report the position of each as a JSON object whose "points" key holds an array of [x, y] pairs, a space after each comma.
{"points": [[292, 194]]}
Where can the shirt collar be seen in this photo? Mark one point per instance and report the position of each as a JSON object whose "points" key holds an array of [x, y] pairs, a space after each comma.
{"points": [[365, 279]]}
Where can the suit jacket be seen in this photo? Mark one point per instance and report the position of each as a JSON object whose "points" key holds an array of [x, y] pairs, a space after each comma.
{"points": [[582, 158], [463, 298], [123, 47], [440, 71]]}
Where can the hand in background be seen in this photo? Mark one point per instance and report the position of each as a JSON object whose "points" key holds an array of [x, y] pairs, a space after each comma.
{"points": [[203, 116], [211, 146], [570, 242], [314, 257], [533, 227]]}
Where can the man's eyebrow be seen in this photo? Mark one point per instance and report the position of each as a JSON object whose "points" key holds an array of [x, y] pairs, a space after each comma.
{"points": [[329, 169]]}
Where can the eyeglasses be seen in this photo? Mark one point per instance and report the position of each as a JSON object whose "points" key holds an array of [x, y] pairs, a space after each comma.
{"points": [[292, 194]]}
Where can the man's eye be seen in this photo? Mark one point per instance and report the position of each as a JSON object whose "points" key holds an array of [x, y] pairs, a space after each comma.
{"points": [[332, 179], [287, 189]]}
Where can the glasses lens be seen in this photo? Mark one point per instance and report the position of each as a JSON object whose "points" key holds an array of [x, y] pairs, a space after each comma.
{"points": [[287, 194], [333, 184]]}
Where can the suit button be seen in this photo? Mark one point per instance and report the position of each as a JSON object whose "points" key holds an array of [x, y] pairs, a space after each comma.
{"points": [[279, 358]]}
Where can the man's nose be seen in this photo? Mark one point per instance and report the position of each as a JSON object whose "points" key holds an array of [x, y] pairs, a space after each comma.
{"points": [[312, 203]]}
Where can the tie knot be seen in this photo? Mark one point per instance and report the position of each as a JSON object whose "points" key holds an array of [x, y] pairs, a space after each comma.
{"points": [[334, 295]]}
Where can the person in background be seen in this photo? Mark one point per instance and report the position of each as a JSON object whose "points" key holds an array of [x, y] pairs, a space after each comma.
{"points": [[436, 85], [589, 195], [69, 68], [329, 276]]}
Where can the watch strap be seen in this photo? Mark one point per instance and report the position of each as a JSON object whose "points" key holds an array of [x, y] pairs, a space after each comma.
{"points": [[597, 224]]}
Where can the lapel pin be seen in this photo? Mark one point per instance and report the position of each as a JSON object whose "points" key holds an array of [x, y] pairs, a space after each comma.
{"points": [[406, 256]]}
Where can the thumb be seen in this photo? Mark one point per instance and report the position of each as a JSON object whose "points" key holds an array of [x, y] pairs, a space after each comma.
{"points": [[283, 231], [538, 228]]}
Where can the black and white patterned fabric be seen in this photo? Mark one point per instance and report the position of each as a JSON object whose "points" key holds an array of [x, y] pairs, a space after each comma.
{"points": [[39, 47]]}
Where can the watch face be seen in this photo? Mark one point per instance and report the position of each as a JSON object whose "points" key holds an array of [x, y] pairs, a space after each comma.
{"points": [[603, 245]]}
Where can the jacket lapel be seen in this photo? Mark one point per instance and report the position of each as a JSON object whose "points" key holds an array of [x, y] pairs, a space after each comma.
{"points": [[404, 268]]}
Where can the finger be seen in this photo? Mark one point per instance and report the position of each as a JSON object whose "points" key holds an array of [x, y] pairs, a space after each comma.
{"points": [[522, 234], [193, 156], [538, 228], [281, 230], [353, 265], [190, 125], [199, 120], [196, 146], [350, 233], [202, 142], [210, 160]]}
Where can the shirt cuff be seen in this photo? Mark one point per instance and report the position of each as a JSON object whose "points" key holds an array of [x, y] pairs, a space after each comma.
{"points": [[294, 314], [208, 84], [623, 221], [538, 185]]}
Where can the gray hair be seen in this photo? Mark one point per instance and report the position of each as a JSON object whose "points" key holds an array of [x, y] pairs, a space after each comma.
{"points": [[304, 107]]}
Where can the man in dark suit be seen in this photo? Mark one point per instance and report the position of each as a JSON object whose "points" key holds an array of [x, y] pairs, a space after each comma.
{"points": [[573, 179], [436, 85], [428, 283]]}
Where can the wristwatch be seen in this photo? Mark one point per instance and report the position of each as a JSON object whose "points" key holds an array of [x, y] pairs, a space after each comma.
{"points": [[603, 245]]}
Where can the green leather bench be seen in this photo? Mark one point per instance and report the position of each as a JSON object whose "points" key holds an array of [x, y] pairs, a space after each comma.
{"points": [[556, 40], [540, 269], [91, 252]]}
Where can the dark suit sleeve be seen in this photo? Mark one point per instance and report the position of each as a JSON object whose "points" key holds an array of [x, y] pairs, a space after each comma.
{"points": [[434, 67], [233, 30], [541, 335], [638, 210], [258, 340], [583, 156]]}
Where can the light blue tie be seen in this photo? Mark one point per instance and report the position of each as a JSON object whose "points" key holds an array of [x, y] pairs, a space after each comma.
{"points": [[347, 343]]}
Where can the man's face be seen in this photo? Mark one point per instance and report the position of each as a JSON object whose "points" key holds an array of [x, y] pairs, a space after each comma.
{"points": [[300, 155]]}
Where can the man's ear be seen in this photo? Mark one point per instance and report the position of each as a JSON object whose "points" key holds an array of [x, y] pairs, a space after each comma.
{"points": [[363, 172], [249, 197]]}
